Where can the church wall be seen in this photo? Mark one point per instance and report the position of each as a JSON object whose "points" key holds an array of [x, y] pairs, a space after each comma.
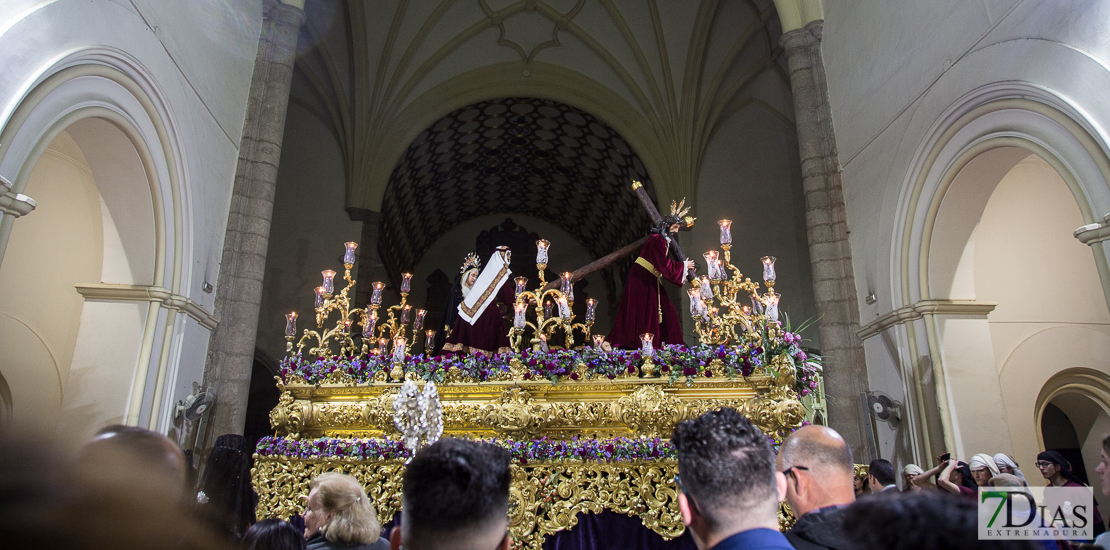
{"points": [[309, 229], [191, 64], [40, 309], [751, 175], [894, 74]]}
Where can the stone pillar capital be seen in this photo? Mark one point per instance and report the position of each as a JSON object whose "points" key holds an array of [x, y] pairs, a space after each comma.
{"points": [[803, 39]]}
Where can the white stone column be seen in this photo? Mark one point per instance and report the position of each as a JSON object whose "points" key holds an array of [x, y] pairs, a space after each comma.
{"points": [[243, 262], [830, 252]]}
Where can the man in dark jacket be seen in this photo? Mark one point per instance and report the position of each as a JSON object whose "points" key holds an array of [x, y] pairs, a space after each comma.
{"points": [[817, 463]]}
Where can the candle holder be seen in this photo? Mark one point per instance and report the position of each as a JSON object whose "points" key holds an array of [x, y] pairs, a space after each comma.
{"points": [[338, 338], [720, 317], [647, 351], [543, 300]]}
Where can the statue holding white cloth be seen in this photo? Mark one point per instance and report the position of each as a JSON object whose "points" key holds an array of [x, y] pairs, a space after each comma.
{"points": [[480, 326]]}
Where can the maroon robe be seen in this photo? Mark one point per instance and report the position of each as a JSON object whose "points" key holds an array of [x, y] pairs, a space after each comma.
{"points": [[640, 304], [488, 334]]}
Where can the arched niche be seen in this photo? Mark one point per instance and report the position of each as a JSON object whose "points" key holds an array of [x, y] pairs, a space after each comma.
{"points": [[114, 366]]}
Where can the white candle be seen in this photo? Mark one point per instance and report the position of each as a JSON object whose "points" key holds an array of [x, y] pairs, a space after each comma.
{"points": [[329, 281], [768, 268], [541, 251], [773, 307], [376, 295], [646, 348], [706, 289], [591, 310], [520, 311], [726, 231], [320, 292], [543, 343], [564, 308], [291, 323], [599, 341], [430, 343], [349, 253], [399, 349]]}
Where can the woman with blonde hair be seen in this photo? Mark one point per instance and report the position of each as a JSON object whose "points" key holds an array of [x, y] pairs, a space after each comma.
{"points": [[339, 515]]}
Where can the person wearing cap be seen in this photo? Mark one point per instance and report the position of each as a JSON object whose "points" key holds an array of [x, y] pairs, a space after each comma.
{"points": [[1057, 470]]}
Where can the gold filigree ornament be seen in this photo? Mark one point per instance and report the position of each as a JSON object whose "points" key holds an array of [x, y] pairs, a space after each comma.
{"points": [[544, 497]]}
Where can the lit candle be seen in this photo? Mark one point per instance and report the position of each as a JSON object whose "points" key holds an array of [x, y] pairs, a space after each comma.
{"points": [[430, 342], [418, 324], [726, 231], [591, 310], [757, 306], [564, 281], [405, 314], [710, 263], [646, 348], [768, 268], [349, 254], [747, 310], [399, 349], [543, 343], [369, 324], [320, 292], [599, 341], [547, 308], [695, 297], [773, 307], [291, 324], [721, 273], [346, 326], [520, 311], [541, 251], [329, 281], [706, 289], [383, 346], [564, 308], [521, 284], [713, 312], [376, 295], [406, 282]]}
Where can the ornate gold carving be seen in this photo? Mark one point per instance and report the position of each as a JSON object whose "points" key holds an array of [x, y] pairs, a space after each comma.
{"points": [[544, 498]]}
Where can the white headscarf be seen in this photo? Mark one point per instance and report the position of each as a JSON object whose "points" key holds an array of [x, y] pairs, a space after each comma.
{"points": [[913, 470], [1003, 460], [981, 460]]}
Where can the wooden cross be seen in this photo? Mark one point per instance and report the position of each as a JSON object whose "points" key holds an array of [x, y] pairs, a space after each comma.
{"points": [[614, 257]]}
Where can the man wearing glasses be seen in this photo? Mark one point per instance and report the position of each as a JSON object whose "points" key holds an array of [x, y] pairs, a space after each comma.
{"points": [[817, 463], [729, 491]]}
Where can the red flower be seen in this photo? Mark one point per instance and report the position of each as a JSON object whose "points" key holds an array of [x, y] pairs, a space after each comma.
{"points": [[631, 369], [574, 376]]}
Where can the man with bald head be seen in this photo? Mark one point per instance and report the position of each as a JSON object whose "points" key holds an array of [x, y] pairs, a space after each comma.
{"points": [[817, 463]]}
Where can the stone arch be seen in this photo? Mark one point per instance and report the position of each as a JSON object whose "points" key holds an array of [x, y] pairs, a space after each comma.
{"points": [[1010, 120], [104, 92]]}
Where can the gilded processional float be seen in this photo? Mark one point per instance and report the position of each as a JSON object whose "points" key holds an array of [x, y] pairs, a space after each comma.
{"points": [[588, 426]]}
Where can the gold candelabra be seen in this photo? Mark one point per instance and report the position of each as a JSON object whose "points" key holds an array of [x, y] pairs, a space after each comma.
{"points": [[338, 339], [546, 324], [725, 285]]}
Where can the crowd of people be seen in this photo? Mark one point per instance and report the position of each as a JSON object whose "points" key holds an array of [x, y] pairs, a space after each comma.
{"points": [[131, 488]]}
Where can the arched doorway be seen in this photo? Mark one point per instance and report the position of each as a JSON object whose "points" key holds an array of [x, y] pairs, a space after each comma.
{"points": [[69, 362]]}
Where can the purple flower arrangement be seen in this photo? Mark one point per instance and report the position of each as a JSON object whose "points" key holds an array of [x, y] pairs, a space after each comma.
{"points": [[618, 449], [672, 361]]}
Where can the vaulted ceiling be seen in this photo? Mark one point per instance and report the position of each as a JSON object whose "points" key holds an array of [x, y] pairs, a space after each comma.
{"points": [[513, 155], [664, 76]]}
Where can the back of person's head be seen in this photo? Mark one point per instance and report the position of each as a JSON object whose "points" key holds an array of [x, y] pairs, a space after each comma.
{"points": [[924, 520], [727, 466], [1006, 480], [353, 517], [882, 470], [228, 503], [456, 496], [91, 503], [132, 455], [272, 534]]}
